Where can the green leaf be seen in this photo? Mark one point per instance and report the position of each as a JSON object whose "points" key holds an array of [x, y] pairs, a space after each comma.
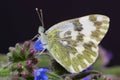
{"points": [[53, 76], [44, 61], [98, 64], [4, 72], [112, 70]]}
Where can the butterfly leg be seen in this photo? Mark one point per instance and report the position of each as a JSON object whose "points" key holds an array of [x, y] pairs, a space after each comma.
{"points": [[41, 52]]}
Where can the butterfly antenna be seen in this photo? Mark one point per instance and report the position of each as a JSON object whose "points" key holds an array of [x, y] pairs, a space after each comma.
{"points": [[40, 15], [42, 21]]}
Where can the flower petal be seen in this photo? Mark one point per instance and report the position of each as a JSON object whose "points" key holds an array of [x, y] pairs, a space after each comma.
{"points": [[38, 45], [40, 74]]}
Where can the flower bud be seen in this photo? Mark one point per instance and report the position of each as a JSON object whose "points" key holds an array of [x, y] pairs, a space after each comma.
{"points": [[17, 46], [25, 73], [19, 67], [22, 50], [14, 55], [18, 74], [29, 63], [27, 44], [31, 53], [34, 60], [11, 48]]}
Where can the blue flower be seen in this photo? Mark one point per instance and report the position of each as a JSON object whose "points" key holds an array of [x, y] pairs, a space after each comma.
{"points": [[38, 46], [105, 55], [40, 74], [87, 78]]}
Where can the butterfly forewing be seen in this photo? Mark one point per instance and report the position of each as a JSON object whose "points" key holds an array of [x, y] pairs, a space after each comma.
{"points": [[74, 43]]}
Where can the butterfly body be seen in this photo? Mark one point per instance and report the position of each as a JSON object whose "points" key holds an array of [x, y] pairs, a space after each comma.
{"points": [[74, 43]]}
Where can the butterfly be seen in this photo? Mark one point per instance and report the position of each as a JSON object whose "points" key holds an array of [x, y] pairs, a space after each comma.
{"points": [[74, 43]]}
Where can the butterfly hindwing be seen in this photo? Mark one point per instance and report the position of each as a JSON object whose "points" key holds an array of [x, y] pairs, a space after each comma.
{"points": [[74, 43]]}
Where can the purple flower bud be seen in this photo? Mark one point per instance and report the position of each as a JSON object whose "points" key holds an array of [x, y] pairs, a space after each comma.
{"points": [[22, 50], [17, 73], [34, 60], [19, 65], [25, 73], [27, 44], [29, 63], [31, 53]]}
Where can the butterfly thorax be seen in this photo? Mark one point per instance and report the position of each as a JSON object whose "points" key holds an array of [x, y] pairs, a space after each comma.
{"points": [[43, 38]]}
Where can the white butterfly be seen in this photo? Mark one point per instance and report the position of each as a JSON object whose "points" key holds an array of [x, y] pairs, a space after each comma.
{"points": [[74, 43]]}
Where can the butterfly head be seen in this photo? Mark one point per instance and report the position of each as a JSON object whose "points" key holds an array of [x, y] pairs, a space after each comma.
{"points": [[41, 30]]}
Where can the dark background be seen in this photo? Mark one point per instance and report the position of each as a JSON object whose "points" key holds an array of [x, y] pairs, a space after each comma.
{"points": [[19, 21]]}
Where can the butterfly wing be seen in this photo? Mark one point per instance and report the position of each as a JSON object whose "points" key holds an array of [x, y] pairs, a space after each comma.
{"points": [[74, 43]]}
